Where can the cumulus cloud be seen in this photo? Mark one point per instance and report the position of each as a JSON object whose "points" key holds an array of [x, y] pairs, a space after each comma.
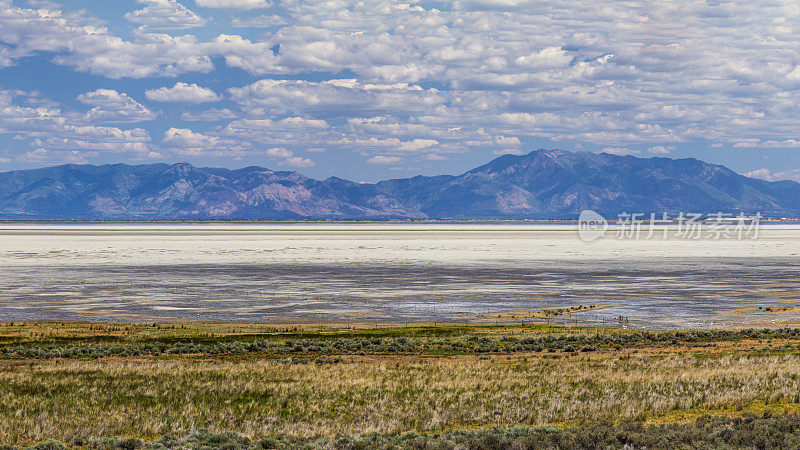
{"points": [[464, 76], [297, 161], [508, 151], [29, 117], [84, 44], [661, 149], [253, 128], [381, 159], [272, 97], [288, 158], [262, 21], [620, 151], [186, 138], [234, 4], [90, 137], [43, 156], [187, 142], [417, 144], [279, 152], [182, 92], [165, 14], [112, 106], [758, 143], [209, 115], [766, 174], [546, 58]]}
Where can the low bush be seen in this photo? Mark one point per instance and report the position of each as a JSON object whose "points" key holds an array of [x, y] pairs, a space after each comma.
{"points": [[706, 432], [402, 345]]}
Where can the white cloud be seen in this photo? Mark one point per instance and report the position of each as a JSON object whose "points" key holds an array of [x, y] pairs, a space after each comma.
{"points": [[288, 157], [301, 123], [762, 173], [758, 143], [262, 21], [381, 159], [234, 4], [42, 156], [417, 144], [620, 151], [766, 174], [186, 138], [187, 142], [90, 137], [29, 117], [182, 92], [165, 15], [84, 44], [281, 96], [255, 128], [279, 152], [209, 115], [254, 57], [297, 161], [112, 106], [661, 149], [546, 58], [461, 76], [508, 151]]}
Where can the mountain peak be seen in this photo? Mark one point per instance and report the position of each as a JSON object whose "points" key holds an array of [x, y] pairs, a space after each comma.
{"points": [[503, 162], [181, 168]]}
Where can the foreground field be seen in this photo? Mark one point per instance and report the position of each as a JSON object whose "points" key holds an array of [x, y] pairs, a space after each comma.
{"points": [[90, 384]]}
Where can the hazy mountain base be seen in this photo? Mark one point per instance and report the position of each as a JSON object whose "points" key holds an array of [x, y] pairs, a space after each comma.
{"points": [[543, 184]]}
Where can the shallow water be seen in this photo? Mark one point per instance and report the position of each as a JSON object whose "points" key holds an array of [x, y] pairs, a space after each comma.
{"points": [[389, 272]]}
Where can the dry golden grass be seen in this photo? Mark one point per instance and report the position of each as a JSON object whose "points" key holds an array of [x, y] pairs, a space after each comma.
{"points": [[773, 310], [271, 393], [151, 397], [516, 314], [99, 332]]}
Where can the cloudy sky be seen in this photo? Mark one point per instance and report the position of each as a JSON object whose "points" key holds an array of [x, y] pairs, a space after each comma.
{"points": [[377, 89]]}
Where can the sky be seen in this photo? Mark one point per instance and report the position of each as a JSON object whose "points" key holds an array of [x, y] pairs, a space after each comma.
{"points": [[369, 90]]}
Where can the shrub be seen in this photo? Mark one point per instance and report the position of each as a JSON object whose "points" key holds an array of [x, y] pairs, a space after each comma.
{"points": [[50, 444]]}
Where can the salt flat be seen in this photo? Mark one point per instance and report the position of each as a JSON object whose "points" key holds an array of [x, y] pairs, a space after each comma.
{"points": [[390, 272], [337, 243]]}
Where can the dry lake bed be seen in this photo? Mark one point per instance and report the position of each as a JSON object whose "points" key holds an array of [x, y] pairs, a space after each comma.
{"points": [[394, 272]]}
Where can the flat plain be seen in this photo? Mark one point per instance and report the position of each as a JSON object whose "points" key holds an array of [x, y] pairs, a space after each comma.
{"points": [[393, 272], [395, 336]]}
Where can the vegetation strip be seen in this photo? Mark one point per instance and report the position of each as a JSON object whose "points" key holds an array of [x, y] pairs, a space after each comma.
{"points": [[130, 385], [471, 344], [707, 432]]}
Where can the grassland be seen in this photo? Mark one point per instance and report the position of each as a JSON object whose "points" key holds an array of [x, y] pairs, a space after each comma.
{"points": [[120, 385]]}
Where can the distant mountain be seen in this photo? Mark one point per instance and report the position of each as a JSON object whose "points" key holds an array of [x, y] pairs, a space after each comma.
{"points": [[540, 185]]}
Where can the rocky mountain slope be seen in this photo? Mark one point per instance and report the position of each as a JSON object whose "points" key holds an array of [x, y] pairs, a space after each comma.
{"points": [[542, 184]]}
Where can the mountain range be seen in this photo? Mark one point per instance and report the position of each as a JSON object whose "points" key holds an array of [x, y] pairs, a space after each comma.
{"points": [[543, 184]]}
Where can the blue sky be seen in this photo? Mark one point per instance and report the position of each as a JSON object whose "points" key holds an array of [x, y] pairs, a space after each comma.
{"points": [[379, 89]]}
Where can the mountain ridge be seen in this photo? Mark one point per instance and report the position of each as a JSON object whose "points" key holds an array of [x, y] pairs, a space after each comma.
{"points": [[543, 184]]}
